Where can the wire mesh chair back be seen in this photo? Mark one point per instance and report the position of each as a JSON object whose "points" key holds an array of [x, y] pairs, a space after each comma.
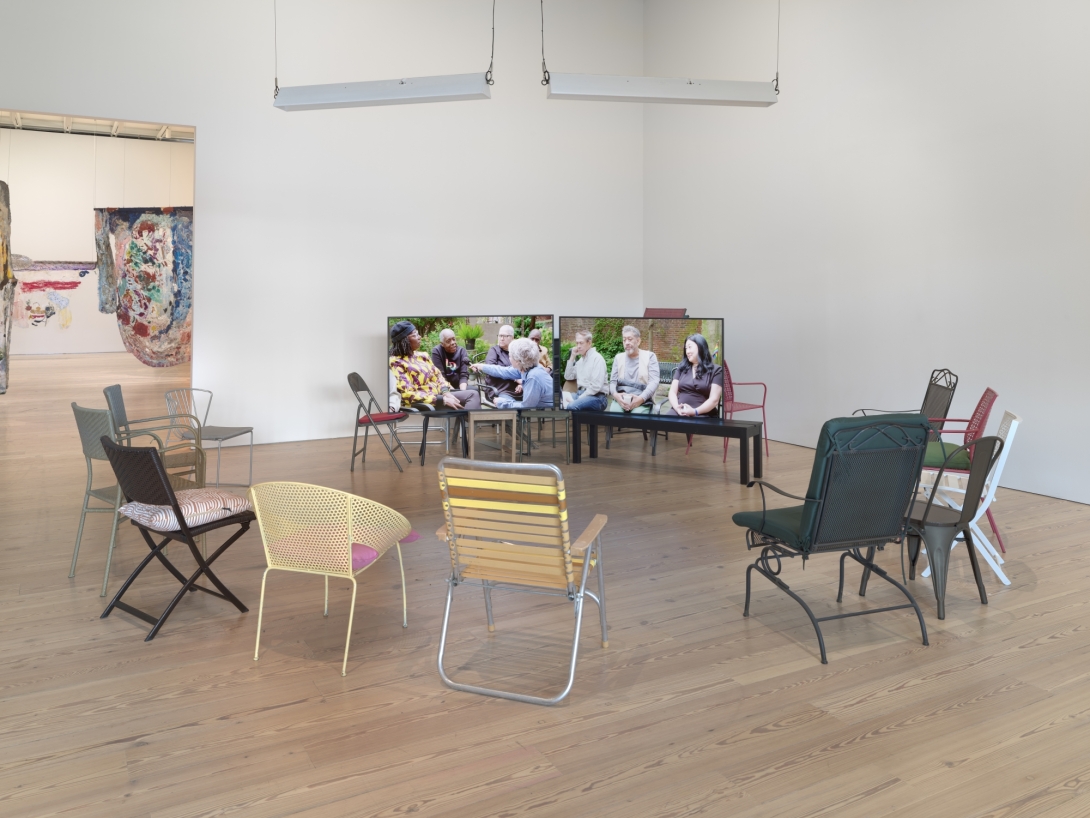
{"points": [[507, 523], [939, 396], [666, 372], [870, 475], [141, 474], [116, 404], [985, 453], [728, 385], [187, 402], [979, 420], [312, 528], [93, 424]]}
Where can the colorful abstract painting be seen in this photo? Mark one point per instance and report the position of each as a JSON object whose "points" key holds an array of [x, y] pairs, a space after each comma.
{"points": [[145, 275], [40, 293], [7, 285]]}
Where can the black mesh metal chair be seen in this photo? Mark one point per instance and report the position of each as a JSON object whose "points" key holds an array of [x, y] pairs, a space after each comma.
{"points": [[866, 472], [940, 526], [936, 400], [368, 417], [143, 479]]}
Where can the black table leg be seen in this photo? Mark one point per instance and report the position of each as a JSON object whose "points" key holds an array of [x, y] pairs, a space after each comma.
{"points": [[758, 455], [576, 441], [743, 461], [424, 439], [592, 430], [465, 435]]}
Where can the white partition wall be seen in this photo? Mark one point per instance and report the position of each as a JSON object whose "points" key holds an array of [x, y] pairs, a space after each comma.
{"points": [[917, 199]]}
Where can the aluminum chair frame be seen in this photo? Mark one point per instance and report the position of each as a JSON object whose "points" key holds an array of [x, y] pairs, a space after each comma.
{"points": [[183, 402], [94, 424], [286, 510], [507, 529]]}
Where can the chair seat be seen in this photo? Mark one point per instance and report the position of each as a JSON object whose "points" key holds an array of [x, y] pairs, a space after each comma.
{"points": [[107, 494], [224, 432], [938, 451], [939, 516], [381, 417], [735, 406], [782, 523]]}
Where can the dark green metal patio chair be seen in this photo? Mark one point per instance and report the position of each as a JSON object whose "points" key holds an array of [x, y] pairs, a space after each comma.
{"points": [[865, 475]]}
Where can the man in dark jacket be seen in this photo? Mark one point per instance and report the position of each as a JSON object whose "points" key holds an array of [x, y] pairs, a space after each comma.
{"points": [[452, 360]]}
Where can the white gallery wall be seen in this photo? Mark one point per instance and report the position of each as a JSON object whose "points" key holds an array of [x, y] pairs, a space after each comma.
{"points": [[56, 181], [918, 198], [312, 227]]}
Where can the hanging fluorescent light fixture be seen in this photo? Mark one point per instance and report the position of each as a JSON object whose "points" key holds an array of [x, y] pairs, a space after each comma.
{"points": [[610, 88], [443, 88]]}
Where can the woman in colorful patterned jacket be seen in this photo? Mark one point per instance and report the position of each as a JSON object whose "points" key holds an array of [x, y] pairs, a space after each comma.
{"points": [[417, 379]]}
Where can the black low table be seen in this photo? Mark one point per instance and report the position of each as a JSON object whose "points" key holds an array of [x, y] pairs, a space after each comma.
{"points": [[741, 430]]}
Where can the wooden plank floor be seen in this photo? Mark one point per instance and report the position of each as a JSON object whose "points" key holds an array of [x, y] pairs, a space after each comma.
{"points": [[692, 710]]}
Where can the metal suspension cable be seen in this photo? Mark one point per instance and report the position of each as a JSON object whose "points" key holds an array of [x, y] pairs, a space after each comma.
{"points": [[492, 59], [776, 82], [276, 58], [544, 70]]}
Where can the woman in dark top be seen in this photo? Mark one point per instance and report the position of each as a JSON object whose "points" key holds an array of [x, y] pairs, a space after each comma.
{"points": [[698, 383]]}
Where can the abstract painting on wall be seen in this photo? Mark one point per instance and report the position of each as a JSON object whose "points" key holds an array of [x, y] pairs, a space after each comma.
{"points": [[145, 275], [40, 292], [7, 285]]}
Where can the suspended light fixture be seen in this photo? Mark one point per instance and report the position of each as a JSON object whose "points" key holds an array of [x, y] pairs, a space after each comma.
{"points": [[681, 90], [610, 88], [443, 88]]}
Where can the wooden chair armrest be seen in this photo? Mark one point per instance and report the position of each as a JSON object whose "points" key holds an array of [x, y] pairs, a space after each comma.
{"points": [[442, 532], [589, 535]]}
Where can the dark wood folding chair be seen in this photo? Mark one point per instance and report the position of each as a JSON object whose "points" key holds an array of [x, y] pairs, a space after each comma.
{"points": [[143, 479]]}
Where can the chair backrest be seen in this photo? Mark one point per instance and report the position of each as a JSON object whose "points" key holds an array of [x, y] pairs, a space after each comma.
{"points": [[140, 474], [311, 528], [93, 424], [939, 395], [979, 420], [866, 471], [507, 522], [728, 384], [1008, 428], [187, 402], [116, 404], [357, 384], [666, 371], [985, 453]]}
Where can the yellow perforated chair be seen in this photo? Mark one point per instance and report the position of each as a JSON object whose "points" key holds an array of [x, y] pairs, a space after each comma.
{"points": [[507, 529], [317, 530]]}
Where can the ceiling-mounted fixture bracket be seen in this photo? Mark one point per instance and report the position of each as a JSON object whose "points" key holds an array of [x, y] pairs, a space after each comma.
{"points": [[609, 88]]}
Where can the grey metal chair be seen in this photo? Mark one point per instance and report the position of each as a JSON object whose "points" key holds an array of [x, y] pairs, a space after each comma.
{"points": [[184, 402], [936, 400], [369, 417], [93, 424], [185, 458]]}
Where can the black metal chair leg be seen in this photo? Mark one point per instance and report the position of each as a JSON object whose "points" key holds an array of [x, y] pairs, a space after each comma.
{"points": [[913, 554], [975, 562], [866, 572], [840, 591], [779, 583]]}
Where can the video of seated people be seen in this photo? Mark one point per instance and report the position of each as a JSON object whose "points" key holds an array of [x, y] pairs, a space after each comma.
{"points": [[471, 362], [668, 366]]}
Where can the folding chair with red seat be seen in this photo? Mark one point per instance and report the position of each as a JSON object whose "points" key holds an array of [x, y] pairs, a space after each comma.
{"points": [[368, 417]]}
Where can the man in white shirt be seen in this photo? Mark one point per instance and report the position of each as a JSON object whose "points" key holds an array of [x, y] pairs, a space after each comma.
{"points": [[589, 374]]}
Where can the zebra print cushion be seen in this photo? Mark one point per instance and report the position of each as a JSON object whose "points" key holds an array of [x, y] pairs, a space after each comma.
{"points": [[198, 506]]}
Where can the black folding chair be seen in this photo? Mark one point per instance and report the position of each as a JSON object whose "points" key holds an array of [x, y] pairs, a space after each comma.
{"points": [[865, 474], [143, 479]]}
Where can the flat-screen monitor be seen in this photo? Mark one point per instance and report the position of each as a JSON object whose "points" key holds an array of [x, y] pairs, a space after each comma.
{"points": [[663, 336], [477, 335]]}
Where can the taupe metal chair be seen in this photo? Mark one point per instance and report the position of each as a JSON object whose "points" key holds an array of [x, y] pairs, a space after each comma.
{"points": [[94, 424], [507, 529], [184, 402], [185, 459]]}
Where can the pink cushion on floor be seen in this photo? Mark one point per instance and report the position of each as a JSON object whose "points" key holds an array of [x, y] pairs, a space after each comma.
{"points": [[412, 536], [362, 555]]}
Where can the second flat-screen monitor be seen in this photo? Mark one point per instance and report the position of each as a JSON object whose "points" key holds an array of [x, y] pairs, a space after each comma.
{"points": [[663, 336]]}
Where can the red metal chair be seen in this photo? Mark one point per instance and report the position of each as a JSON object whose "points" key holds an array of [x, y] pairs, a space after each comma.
{"points": [[368, 419], [730, 405]]}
